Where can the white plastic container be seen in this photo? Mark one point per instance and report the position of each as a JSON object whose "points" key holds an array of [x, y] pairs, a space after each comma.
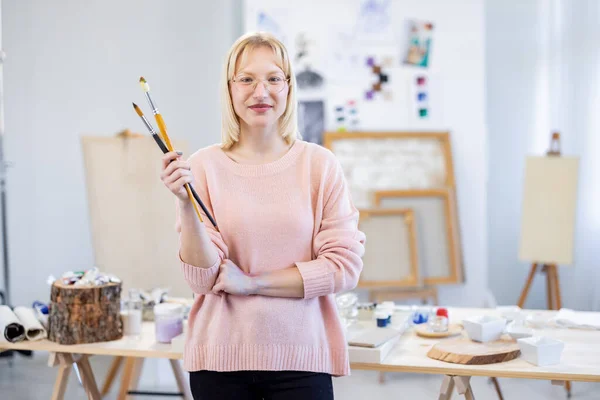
{"points": [[511, 313], [168, 321], [484, 328], [517, 330], [540, 350]]}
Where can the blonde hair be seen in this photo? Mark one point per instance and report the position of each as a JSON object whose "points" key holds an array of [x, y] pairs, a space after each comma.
{"points": [[230, 124]]}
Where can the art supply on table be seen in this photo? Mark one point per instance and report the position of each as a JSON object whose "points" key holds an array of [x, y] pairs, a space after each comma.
{"points": [[421, 316], [566, 318], [165, 150], [11, 329], [90, 277], [541, 351], [131, 313], [372, 337], [439, 322], [484, 328], [168, 321], [425, 331], [41, 312], [347, 307], [28, 318], [383, 318]]}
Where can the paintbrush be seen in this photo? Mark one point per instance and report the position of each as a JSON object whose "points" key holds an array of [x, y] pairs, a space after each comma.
{"points": [[165, 150]]}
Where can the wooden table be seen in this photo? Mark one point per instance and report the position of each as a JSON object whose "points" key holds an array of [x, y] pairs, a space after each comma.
{"points": [[131, 350], [580, 359]]}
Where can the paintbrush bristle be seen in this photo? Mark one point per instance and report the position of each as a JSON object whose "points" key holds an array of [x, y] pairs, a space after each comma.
{"points": [[138, 110], [144, 84]]}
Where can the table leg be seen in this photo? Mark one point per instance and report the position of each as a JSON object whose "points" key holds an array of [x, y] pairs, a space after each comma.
{"points": [[112, 373], [446, 388], [87, 378], [182, 383], [62, 378], [497, 386], [126, 377], [463, 386]]}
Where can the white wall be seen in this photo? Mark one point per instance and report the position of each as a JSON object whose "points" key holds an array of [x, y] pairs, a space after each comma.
{"points": [[73, 69], [542, 75]]}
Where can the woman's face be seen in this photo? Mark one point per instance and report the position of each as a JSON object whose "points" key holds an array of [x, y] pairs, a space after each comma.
{"points": [[259, 89]]}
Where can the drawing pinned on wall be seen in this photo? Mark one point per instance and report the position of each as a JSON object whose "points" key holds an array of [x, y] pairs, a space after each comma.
{"points": [[420, 37], [311, 120], [380, 78], [420, 96], [268, 22], [373, 22], [305, 58], [346, 116]]}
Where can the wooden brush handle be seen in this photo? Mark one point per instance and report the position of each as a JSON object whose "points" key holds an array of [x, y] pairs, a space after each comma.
{"points": [[165, 137]]}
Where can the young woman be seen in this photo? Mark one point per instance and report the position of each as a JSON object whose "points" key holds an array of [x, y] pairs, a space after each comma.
{"points": [[264, 323]]}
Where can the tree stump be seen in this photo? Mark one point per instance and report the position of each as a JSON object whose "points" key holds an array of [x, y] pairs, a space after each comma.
{"points": [[84, 314]]}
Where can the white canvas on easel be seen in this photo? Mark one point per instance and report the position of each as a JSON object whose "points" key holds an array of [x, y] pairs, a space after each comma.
{"points": [[548, 214], [132, 214]]}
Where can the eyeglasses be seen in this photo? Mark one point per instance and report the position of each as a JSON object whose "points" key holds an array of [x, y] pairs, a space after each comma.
{"points": [[247, 84]]}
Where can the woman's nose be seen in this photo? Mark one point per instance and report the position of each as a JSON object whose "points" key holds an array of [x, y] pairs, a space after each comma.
{"points": [[260, 91]]}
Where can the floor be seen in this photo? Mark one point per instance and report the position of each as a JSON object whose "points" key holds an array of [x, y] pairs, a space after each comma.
{"points": [[30, 379]]}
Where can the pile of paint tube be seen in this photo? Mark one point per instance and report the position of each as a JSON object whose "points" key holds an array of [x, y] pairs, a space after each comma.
{"points": [[90, 277]]}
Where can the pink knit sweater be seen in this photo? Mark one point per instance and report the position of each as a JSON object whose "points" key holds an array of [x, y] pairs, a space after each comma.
{"points": [[295, 210]]}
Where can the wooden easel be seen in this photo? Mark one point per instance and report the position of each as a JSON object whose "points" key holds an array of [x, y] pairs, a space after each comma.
{"points": [[551, 270]]}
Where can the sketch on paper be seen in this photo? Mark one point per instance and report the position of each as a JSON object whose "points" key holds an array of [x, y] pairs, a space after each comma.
{"points": [[420, 96], [305, 59], [379, 79], [373, 22], [346, 116], [266, 22], [311, 121], [420, 37]]}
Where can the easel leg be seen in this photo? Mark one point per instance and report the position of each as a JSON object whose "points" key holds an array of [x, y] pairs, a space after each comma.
{"points": [[112, 373], [525, 291], [547, 269], [558, 303]]}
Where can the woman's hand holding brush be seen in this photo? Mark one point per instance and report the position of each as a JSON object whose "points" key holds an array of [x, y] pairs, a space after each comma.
{"points": [[176, 173]]}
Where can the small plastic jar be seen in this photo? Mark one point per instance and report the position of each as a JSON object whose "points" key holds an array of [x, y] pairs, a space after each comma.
{"points": [[168, 321]]}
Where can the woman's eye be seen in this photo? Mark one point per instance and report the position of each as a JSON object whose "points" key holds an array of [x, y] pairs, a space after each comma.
{"points": [[275, 79], [246, 80]]}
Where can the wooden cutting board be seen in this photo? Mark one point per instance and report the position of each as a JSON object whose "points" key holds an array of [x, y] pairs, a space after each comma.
{"points": [[466, 351]]}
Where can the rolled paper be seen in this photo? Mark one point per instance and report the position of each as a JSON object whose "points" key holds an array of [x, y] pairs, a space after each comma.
{"points": [[11, 329], [33, 328]]}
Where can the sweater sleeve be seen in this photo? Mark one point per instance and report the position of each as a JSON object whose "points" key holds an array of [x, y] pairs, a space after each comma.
{"points": [[338, 245], [201, 278]]}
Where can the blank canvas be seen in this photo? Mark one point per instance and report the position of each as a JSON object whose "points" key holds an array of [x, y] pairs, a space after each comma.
{"points": [[388, 251], [548, 211], [438, 264], [132, 213]]}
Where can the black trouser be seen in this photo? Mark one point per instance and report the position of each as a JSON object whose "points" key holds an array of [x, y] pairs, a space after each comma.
{"points": [[258, 385]]}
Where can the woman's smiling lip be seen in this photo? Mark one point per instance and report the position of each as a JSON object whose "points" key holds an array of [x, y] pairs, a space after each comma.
{"points": [[261, 107]]}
